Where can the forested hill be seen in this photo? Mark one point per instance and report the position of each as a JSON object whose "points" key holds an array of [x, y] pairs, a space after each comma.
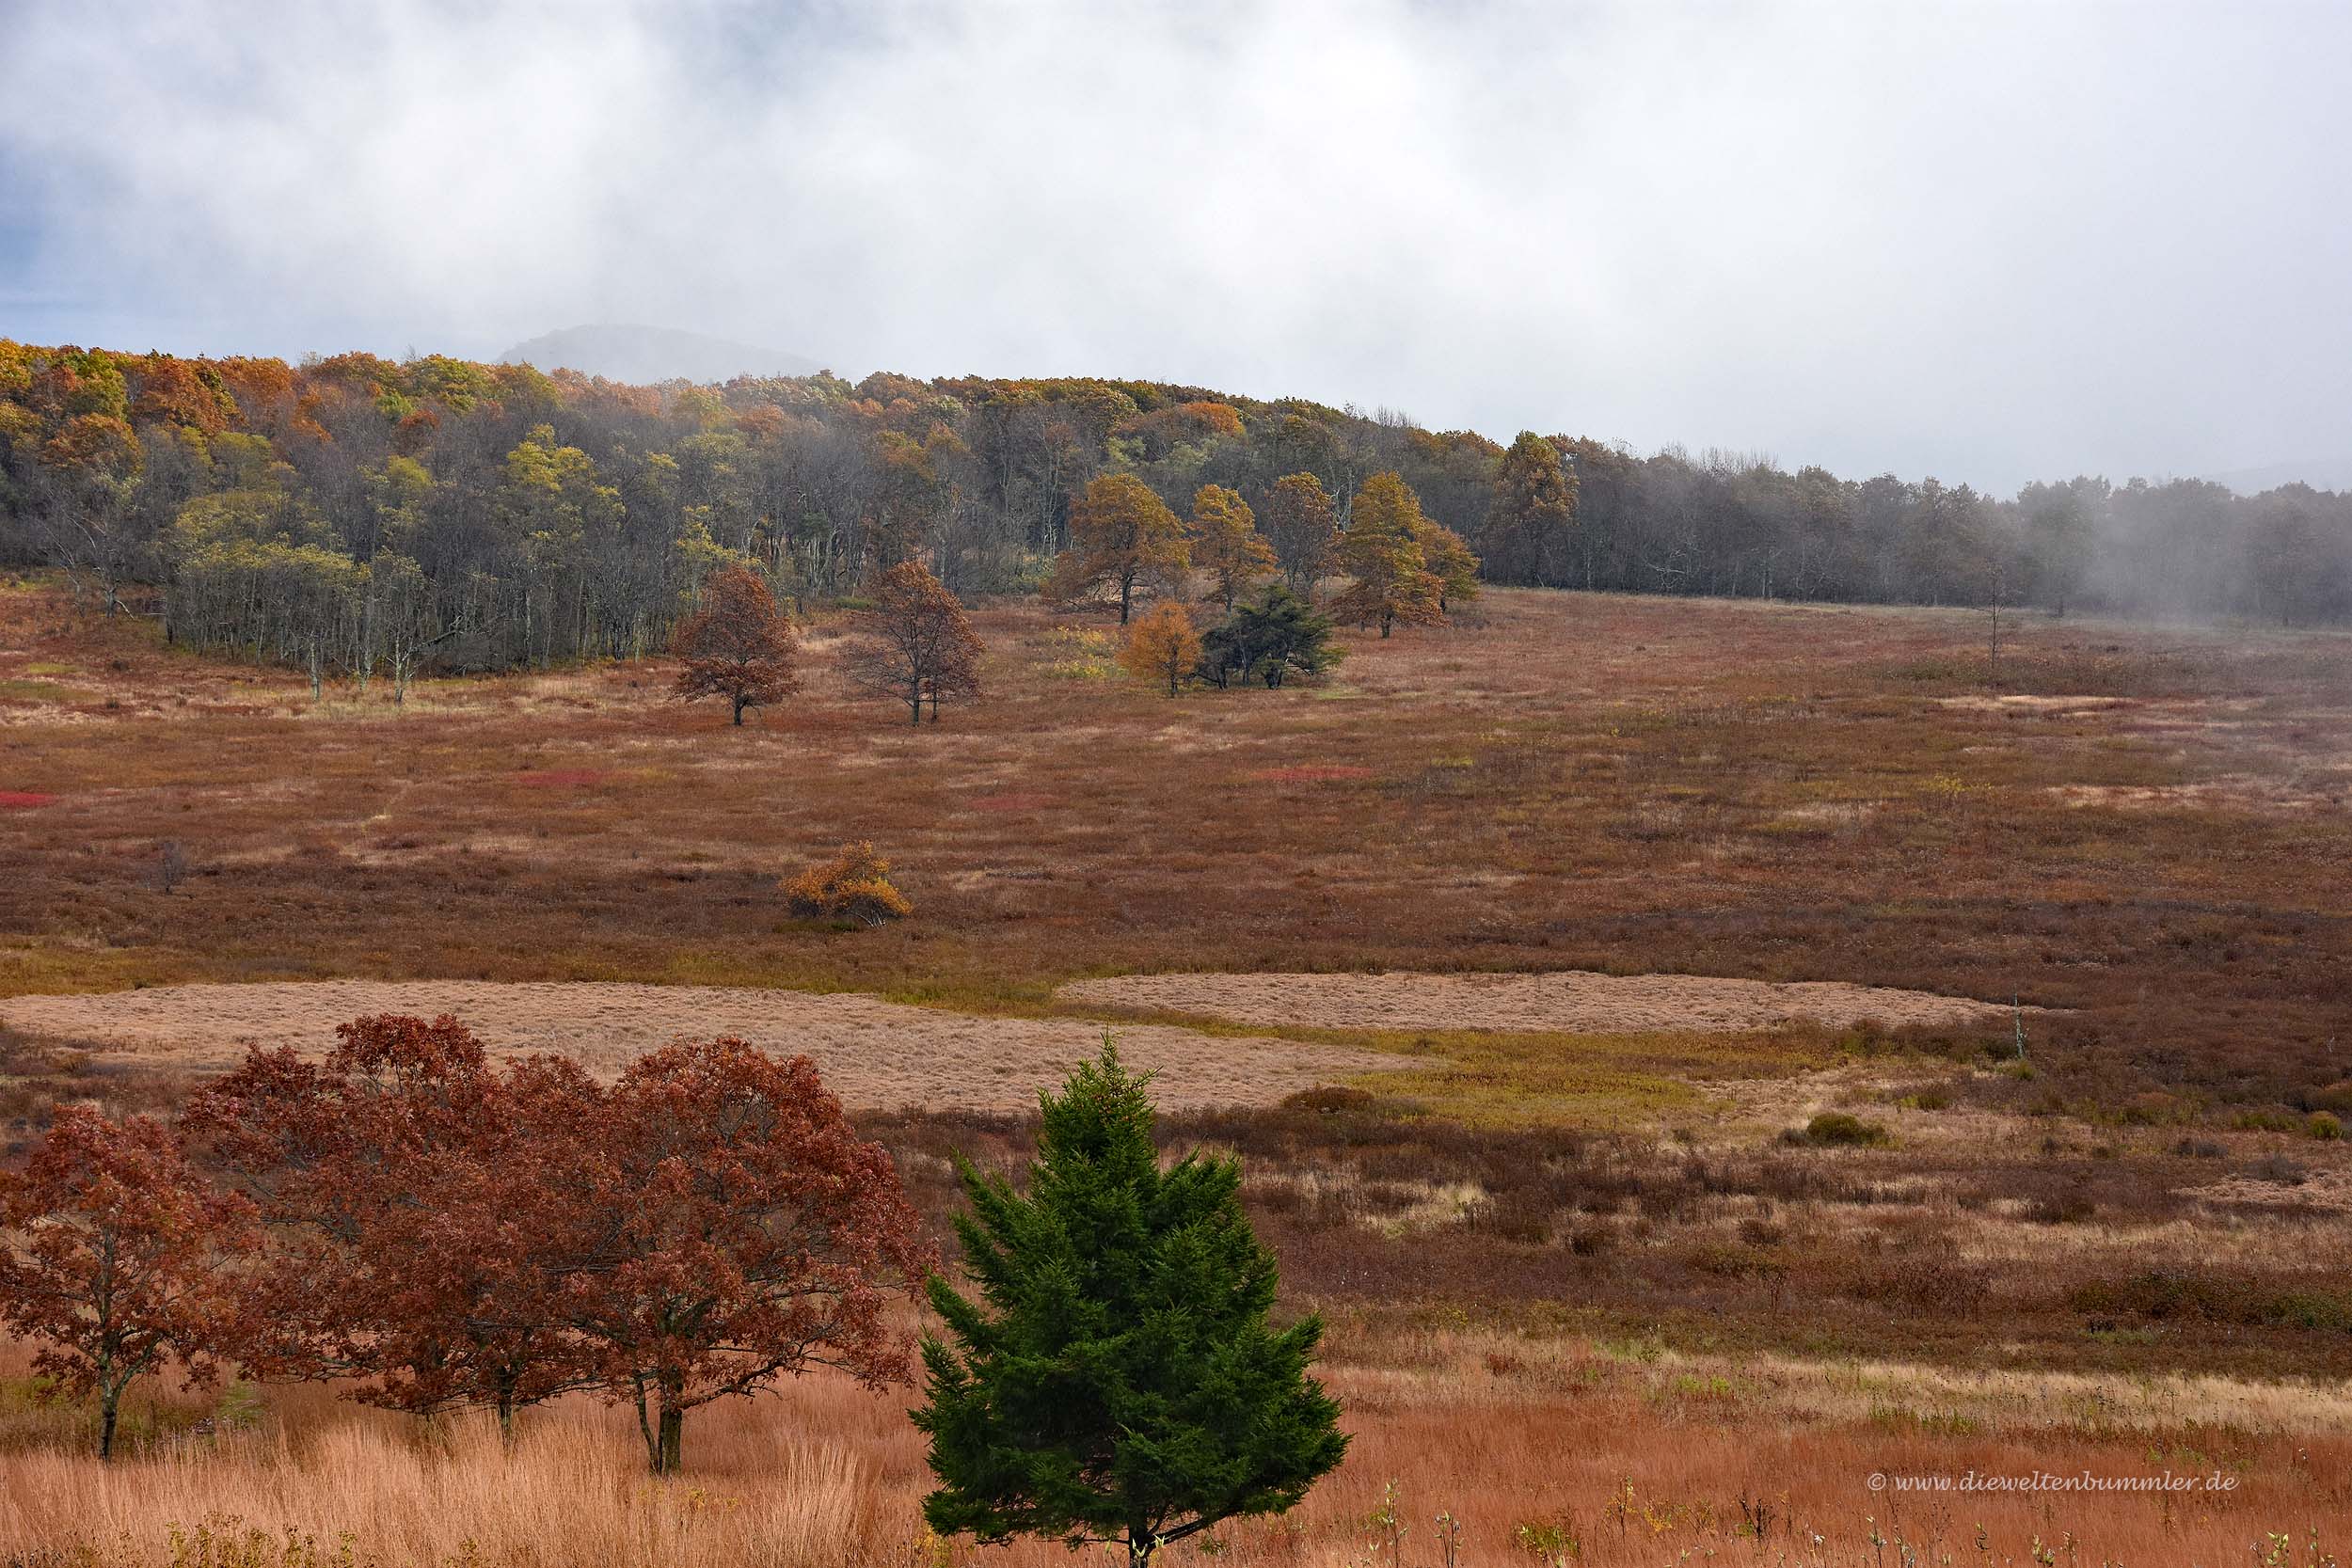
{"points": [[512, 515]]}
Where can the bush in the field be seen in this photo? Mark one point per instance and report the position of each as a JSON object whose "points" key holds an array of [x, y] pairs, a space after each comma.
{"points": [[854, 885]]}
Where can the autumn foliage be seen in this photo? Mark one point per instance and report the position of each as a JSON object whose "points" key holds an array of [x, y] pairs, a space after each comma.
{"points": [[1226, 542], [1122, 537], [119, 1258], [853, 885], [1302, 527], [1532, 509], [914, 644], [443, 1232], [1162, 646], [729, 1227], [352, 511], [739, 645], [1382, 553], [401, 1168]]}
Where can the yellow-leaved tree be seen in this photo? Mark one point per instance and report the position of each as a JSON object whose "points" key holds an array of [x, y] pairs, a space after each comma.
{"points": [[1448, 556], [1226, 542], [1382, 553], [1164, 645], [1121, 536]]}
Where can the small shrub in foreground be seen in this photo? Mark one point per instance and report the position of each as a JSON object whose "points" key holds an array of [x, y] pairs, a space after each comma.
{"points": [[853, 885]]}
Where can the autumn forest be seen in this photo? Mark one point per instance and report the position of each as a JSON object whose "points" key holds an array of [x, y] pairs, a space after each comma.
{"points": [[359, 516]]}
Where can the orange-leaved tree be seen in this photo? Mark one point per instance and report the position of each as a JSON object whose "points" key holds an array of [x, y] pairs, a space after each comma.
{"points": [[1164, 645], [731, 1228], [739, 645], [1226, 544], [1381, 551], [916, 643], [1121, 536], [114, 1256], [703, 1226]]}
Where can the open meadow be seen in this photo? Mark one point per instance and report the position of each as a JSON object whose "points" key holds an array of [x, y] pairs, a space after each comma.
{"points": [[1801, 1048]]}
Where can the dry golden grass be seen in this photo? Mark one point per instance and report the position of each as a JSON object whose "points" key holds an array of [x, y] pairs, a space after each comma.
{"points": [[1638, 1457], [874, 1054], [1567, 1002]]}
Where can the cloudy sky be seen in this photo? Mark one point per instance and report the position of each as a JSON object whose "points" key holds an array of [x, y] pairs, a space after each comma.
{"points": [[1982, 241]]}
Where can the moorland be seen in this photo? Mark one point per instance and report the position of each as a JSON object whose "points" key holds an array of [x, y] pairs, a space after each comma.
{"points": [[1659, 1285]]}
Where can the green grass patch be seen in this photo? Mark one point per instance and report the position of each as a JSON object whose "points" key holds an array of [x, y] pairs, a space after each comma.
{"points": [[40, 692], [1487, 1079]]}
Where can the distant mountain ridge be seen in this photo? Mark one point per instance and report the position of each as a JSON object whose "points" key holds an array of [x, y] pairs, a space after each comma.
{"points": [[2320, 473], [644, 355]]}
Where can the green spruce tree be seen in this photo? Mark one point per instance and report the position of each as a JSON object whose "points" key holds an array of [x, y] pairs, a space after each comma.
{"points": [[1281, 632], [1118, 1381]]}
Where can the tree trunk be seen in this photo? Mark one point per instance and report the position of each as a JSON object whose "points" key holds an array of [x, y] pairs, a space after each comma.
{"points": [[109, 1409], [1126, 593], [739, 706], [646, 1429], [669, 1460], [914, 700], [506, 1420]]}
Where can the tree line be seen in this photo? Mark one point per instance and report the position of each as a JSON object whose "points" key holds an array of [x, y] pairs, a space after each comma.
{"points": [[432, 1231], [365, 515]]}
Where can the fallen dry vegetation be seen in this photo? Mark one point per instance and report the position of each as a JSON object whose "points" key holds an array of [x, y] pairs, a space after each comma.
{"points": [[1568, 1001], [1561, 1249], [874, 1054]]}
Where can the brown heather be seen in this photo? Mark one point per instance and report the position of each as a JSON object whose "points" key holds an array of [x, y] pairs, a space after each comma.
{"points": [[1557, 1265]]}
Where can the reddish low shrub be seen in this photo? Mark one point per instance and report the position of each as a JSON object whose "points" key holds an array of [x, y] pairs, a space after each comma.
{"points": [[1308, 774], [1014, 802]]}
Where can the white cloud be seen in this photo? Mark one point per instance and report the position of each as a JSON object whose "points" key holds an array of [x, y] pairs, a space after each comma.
{"points": [[1984, 241]]}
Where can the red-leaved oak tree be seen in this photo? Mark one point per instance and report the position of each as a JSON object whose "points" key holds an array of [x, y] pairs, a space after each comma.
{"points": [[400, 1182], [733, 1228], [114, 1256], [455, 1233]]}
